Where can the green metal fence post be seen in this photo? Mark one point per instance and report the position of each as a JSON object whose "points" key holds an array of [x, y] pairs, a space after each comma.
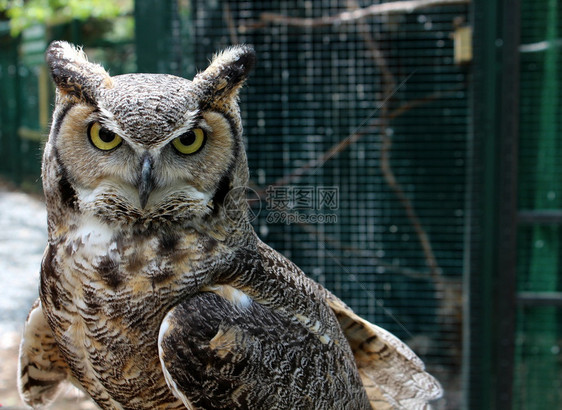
{"points": [[10, 108], [153, 35], [506, 268], [539, 374], [494, 256], [478, 339]]}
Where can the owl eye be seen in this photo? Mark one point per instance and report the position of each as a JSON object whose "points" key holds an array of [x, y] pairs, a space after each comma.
{"points": [[190, 142], [102, 138]]}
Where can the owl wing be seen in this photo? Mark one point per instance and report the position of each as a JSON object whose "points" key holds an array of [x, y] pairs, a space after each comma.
{"points": [[222, 350], [392, 374], [41, 366], [274, 338]]}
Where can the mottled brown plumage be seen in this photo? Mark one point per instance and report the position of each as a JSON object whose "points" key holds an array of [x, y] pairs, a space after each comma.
{"points": [[153, 293]]}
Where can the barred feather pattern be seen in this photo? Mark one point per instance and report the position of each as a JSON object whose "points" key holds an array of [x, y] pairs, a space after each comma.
{"points": [[172, 301]]}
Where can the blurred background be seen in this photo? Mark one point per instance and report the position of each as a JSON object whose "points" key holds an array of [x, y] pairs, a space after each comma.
{"points": [[405, 154]]}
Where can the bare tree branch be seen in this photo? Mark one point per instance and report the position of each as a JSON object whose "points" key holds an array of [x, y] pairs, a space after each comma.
{"points": [[350, 16], [365, 253], [230, 24], [389, 86], [448, 289], [368, 129]]}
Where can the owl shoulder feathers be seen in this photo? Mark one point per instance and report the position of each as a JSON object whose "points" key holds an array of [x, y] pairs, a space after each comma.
{"points": [[233, 339], [260, 337], [393, 376]]}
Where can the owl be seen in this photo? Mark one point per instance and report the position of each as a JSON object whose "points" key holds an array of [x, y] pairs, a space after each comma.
{"points": [[155, 291]]}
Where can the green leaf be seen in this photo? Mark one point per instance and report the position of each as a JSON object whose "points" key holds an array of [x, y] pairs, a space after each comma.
{"points": [[25, 14]]}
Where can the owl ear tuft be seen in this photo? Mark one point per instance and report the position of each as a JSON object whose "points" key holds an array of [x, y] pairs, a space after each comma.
{"points": [[226, 73], [73, 74]]}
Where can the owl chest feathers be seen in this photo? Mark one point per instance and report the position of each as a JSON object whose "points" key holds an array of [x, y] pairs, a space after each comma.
{"points": [[105, 293], [114, 259]]}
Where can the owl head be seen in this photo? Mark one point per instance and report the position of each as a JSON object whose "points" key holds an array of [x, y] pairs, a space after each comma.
{"points": [[144, 149]]}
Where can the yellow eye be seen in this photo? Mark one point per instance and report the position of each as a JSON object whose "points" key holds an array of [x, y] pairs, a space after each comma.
{"points": [[190, 142], [102, 138]]}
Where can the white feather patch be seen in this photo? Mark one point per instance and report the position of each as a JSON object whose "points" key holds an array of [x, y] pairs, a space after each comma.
{"points": [[233, 295], [93, 232]]}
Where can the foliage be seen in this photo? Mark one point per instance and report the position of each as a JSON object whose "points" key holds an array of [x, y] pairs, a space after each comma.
{"points": [[24, 13]]}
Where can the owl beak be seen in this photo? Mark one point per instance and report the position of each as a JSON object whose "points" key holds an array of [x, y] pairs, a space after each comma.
{"points": [[146, 182]]}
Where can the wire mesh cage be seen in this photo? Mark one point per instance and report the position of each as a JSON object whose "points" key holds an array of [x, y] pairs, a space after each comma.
{"points": [[356, 132]]}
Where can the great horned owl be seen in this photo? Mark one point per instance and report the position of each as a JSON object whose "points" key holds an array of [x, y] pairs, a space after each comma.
{"points": [[154, 293]]}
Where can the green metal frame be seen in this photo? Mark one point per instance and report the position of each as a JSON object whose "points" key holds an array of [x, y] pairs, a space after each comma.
{"points": [[9, 103], [493, 253], [158, 44], [537, 380]]}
